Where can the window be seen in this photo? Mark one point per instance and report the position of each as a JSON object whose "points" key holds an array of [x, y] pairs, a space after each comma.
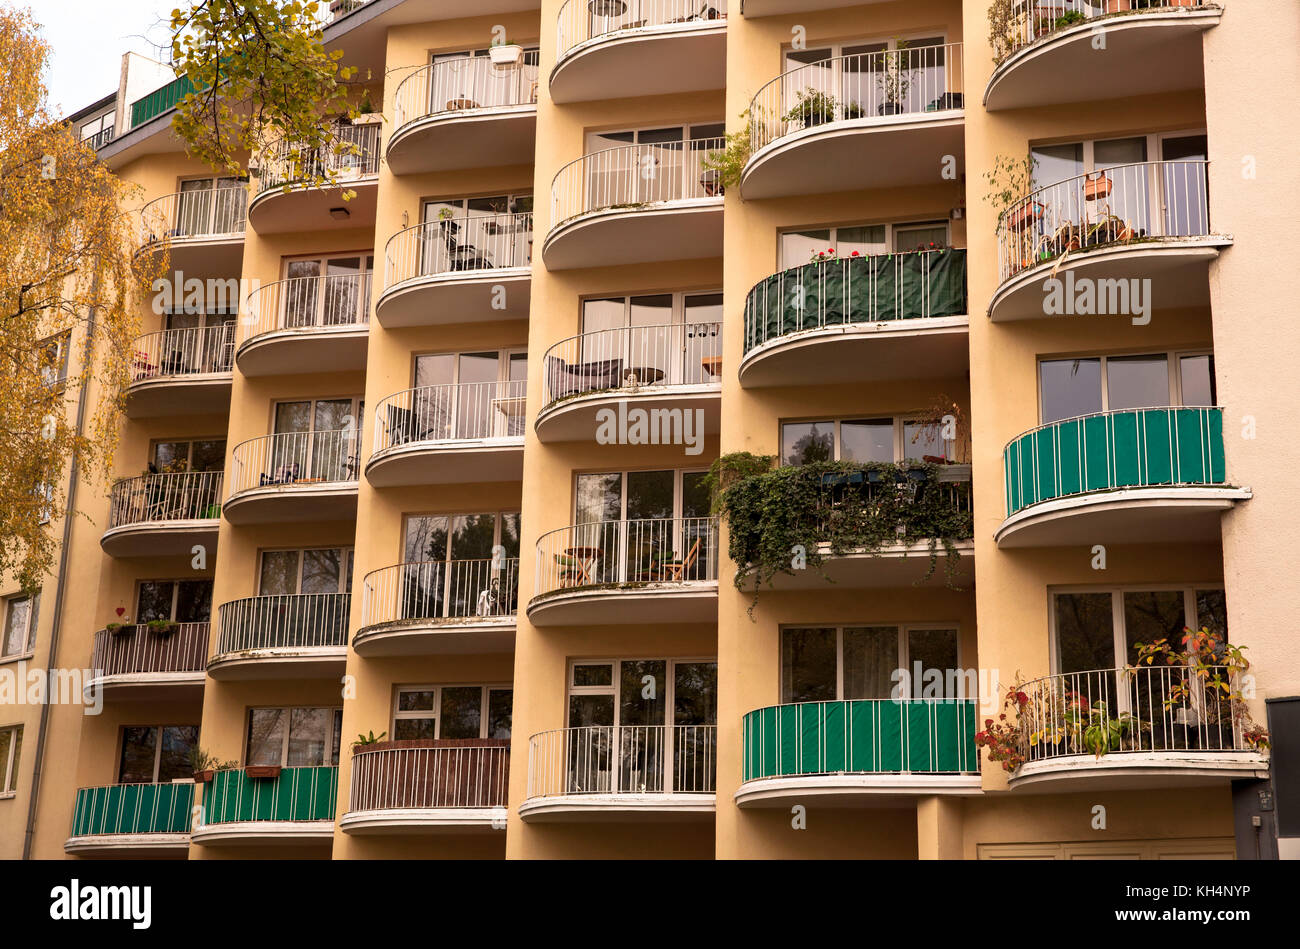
{"points": [[182, 601], [21, 615], [321, 440], [450, 568], [477, 233], [824, 664], [327, 291], [1096, 629], [1069, 388], [99, 130], [52, 354], [203, 455], [211, 206], [294, 737], [798, 247], [155, 754], [470, 81], [45, 491], [861, 76], [669, 165], [670, 338], [315, 570], [196, 342], [452, 711], [11, 745], [884, 440], [465, 395]]}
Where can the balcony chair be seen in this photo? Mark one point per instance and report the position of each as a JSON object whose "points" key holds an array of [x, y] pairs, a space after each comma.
{"points": [[564, 379], [285, 474], [675, 570]]}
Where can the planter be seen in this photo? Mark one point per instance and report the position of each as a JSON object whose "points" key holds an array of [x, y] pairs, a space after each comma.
{"points": [[369, 118], [262, 772], [891, 108], [1020, 218], [119, 629], [204, 777], [163, 630], [1097, 186]]}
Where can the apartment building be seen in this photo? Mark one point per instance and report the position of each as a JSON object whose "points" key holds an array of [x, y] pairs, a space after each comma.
{"points": [[429, 465]]}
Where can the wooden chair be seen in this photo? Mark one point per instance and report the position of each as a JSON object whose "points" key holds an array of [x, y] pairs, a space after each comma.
{"points": [[675, 570]]}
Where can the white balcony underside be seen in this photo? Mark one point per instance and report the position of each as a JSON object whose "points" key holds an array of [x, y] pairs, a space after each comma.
{"points": [[574, 419], [853, 790], [279, 662], [143, 846], [448, 462], [618, 808], [671, 230], [203, 258], [471, 138], [293, 503], [305, 350], [308, 209], [313, 833], [694, 601], [415, 637], [1137, 770], [160, 538], [895, 566], [149, 686], [665, 59], [463, 296], [172, 396], [419, 821]]}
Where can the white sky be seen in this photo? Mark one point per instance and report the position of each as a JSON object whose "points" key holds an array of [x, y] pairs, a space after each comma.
{"points": [[88, 38]]}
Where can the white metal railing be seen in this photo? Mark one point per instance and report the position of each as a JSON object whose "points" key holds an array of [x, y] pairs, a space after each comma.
{"points": [[299, 620], [331, 300], [667, 354], [186, 351], [458, 244], [422, 775], [139, 650], [658, 550], [583, 20], [631, 176], [440, 589], [1035, 19], [351, 153], [295, 458], [467, 410], [460, 85], [906, 81], [210, 214], [167, 496], [1123, 203], [623, 759], [1143, 709]]}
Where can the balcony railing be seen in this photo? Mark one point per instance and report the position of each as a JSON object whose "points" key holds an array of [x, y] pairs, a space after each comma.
{"points": [[601, 553], [583, 20], [295, 458], [178, 496], [459, 244], [133, 809], [468, 410], [160, 100], [440, 589], [623, 759], [1115, 711], [1132, 448], [208, 215], [351, 153], [284, 621], [914, 80], [187, 351], [668, 354], [881, 736], [297, 794], [300, 303], [459, 85], [847, 290], [630, 177], [1123, 204], [1035, 19], [139, 650], [99, 139], [427, 774]]}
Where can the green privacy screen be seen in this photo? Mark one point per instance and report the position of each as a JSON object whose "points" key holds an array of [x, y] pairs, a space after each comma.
{"points": [[133, 809], [935, 736], [297, 794], [1125, 449], [160, 100], [850, 290]]}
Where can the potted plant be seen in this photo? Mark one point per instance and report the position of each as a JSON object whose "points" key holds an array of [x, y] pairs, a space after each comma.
{"points": [[1069, 18], [366, 114], [812, 107], [203, 765], [895, 79], [122, 626], [369, 738], [163, 627]]}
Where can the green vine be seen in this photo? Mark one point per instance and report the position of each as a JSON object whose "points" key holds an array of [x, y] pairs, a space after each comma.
{"points": [[729, 162], [780, 518]]}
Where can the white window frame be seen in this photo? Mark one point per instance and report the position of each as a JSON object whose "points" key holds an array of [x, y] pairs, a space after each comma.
{"points": [[450, 516], [503, 354], [346, 565], [157, 751], [1172, 357], [892, 228], [367, 260], [176, 591], [8, 777], [336, 732], [485, 690], [61, 343], [33, 622], [678, 474], [900, 438], [904, 655], [615, 686]]}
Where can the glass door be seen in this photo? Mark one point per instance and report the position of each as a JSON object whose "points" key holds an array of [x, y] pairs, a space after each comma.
{"points": [[693, 742], [1184, 187], [194, 209], [335, 439]]}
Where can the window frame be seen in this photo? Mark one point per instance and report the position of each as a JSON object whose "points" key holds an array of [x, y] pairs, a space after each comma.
{"points": [[678, 490], [485, 688], [176, 593], [499, 523], [62, 344], [8, 767], [334, 747], [891, 230], [158, 750], [33, 624], [615, 687], [503, 354], [188, 442], [904, 655], [347, 565], [900, 423], [1172, 362]]}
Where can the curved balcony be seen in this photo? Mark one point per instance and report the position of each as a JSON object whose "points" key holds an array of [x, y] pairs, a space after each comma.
{"points": [[1108, 243], [1051, 56], [471, 431], [132, 820], [1144, 727], [284, 636], [464, 113], [439, 607], [288, 200], [306, 324], [449, 785], [636, 204], [858, 319], [851, 123], [136, 662], [662, 570], [671, 371], [858, 753], [1134, 476], [468, 269], [202, 231], [294, 808], [183, 371], [609, 49], [161, 515], [295, 476], [622, 773]]}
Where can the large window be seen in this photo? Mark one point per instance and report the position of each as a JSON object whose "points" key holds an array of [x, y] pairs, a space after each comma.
{"points": [[452, 711], [155, 754], [21, 615], [200, 342], [468, 80], [885, 440], [314, 570], [477, 233], [53, 356], [294, 737], [321, 440], [669, 338], [867, 78], [199, 455], [11, 745], [327, 291], [466, 395], [1097, 629], [798, 247], [181, 601], [668, 166], [1069, 388], [830, 663], [211, 206], [451, 565]]}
